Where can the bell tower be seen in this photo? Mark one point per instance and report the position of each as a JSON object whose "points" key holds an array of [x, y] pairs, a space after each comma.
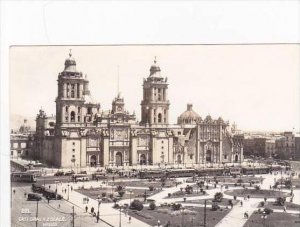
{"points": [[155, 103], [74, 106]]}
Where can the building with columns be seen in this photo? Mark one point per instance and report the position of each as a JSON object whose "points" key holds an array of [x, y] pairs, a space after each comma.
{"points": [[82, 134]]}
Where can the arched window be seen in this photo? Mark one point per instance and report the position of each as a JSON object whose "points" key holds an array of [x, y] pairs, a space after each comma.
{"points": [[159, 118], [67, 109], [72, 116]]}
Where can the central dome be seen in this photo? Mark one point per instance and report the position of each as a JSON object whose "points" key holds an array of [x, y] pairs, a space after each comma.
{"points": [[189, 116]]}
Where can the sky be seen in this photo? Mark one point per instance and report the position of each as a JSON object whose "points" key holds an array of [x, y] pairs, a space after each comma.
{"points": [[255, 86]]}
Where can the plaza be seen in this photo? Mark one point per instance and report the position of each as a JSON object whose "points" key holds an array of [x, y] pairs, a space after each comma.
{"points": [[228, 212]]}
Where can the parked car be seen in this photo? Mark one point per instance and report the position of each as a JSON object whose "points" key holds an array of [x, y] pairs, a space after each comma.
{"points": [[69, 173], [59, 173], [33, 197]]}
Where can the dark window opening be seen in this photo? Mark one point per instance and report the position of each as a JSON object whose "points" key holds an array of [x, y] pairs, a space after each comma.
{"points": [[72, 116]]}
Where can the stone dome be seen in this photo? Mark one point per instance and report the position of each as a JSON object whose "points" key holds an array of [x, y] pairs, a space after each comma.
{"points": [[70, 64], [155, 69], [189, 116]]}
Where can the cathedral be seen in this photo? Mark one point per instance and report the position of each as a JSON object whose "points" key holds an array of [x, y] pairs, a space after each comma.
{"points": [[82, 134]]}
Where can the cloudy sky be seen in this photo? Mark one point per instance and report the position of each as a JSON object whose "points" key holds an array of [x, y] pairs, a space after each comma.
{"points": [[256, 86]]}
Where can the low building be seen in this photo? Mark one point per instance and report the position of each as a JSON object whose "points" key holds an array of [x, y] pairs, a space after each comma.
{"points": [[22, 142]]}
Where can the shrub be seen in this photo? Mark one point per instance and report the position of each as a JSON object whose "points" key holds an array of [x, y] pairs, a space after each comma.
{"points": [[152, 206], [218, 196], [151, 188], [257, 187], [176, 206], [288, 183], [280, 201], [103, 194], [120, 188], [136, 205], [262, 203], [215, 207], [121, 193], [268, 210]]}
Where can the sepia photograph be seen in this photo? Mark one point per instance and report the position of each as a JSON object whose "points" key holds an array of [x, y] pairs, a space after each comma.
{"points": [[155, 135], [150, 113]]}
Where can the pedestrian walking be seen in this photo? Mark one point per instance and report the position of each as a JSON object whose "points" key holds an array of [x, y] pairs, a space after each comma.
{"points": [[71, 188], [129, 219], [58, 206], [86, 209], [65, 190], [248, 196], [92, 210], [14, 191], [284, 209], [241, 203], [25, 194]]}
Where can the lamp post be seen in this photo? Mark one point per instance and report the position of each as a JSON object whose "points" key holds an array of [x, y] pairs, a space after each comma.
{"points": [[182, 216], [120, 207], [130, 192], [99, 203]]}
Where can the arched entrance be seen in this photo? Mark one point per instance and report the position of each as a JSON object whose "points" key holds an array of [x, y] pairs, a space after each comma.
{"points": [[208, 156], [93, 160], [119, 159], [143, 159], [179, 159], [236, 158]]}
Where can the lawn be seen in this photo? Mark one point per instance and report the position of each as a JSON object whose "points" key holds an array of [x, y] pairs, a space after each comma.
{"points": [[273, 220], [224, 202], [193, 216], [145, 183], [288, 205], [95, 192], [296, 183], [256, 193]]}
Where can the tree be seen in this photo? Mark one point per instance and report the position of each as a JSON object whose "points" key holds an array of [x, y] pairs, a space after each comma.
{"points": [[280, 201], [152, 206], [121, 193], [218, 196], [136, 205]]}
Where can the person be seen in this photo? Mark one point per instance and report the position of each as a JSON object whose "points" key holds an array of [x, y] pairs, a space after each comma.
{"points": [[158, 222], [92, 210], [86, 209], [25, 194], [129, 219], [65, 190], [71, 188], [14, 191], [87, 200], [246, 215], [248, 196], [58, 206], [241, 203], [284, 208]]}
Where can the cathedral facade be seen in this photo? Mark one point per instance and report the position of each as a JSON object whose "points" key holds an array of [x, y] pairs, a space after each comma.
{"points": [[82, 134]]}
